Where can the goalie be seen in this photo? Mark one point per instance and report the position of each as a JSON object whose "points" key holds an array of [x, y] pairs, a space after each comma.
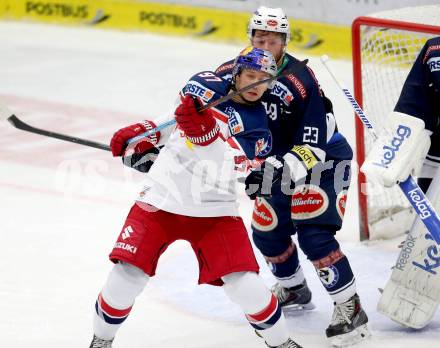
{"points": [[410, 146]]}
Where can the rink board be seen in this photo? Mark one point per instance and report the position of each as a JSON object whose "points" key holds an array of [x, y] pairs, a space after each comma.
{"points": [[205, 23]]}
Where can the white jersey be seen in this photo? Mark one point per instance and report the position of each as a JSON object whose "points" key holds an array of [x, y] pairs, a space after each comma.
{"points": [[200, 181]]}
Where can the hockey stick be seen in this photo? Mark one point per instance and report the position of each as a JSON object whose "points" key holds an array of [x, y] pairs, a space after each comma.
{"points": [[297, 67], [409, 187], [5, 113], [19, 124]]}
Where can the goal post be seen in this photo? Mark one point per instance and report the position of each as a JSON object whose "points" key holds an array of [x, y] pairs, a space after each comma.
{"points": [[384, 47]]}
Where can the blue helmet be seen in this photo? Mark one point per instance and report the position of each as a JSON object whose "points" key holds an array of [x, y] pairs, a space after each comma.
{"points": [[255, 59]]}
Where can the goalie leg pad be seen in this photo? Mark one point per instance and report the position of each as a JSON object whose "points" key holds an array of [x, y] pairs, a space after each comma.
{"points": [[412, 294]]}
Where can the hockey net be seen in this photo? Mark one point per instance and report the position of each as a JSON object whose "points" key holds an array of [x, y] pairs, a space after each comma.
{"points": [[385, 46]]}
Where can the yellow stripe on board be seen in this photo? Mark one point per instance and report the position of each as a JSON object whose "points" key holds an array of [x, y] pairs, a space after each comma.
{"points": [[204, 23]]}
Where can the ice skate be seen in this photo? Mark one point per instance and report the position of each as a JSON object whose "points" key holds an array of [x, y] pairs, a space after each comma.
{"points": [[296, 298], [288, 344], [349, 324], [100, 343]]}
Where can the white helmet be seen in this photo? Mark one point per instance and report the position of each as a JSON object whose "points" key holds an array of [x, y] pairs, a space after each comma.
{"points": [[269, 19]]}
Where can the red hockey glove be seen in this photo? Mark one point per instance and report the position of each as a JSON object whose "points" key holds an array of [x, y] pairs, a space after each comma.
{"points": [[118, 143], [200, 128]]}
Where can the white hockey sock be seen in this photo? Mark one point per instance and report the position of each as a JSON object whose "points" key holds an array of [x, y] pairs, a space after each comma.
{"points": [[124, 283], [261, 307], [294, 280]]}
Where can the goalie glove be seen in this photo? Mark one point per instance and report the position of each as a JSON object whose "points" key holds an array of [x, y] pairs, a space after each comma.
{"points": [[399, 152]]}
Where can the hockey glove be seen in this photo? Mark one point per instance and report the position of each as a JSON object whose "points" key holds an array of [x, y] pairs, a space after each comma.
{"points": [[118, 144], [259, 182], [141, 161], [200, 128]]}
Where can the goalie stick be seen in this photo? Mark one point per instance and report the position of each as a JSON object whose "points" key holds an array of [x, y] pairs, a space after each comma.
{"points": [[409, 187], [19, 124]]}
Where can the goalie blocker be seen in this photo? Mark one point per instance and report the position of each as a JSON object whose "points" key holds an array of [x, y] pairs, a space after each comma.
{"points": [[399, 152]]}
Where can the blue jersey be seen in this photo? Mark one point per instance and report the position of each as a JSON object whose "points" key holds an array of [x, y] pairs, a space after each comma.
{"points": [[246, 123], [298, 115], [420, 96]]}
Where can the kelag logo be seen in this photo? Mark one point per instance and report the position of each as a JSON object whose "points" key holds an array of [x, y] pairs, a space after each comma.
{"points": [[168, 19], [57, 9], [391, 150]]}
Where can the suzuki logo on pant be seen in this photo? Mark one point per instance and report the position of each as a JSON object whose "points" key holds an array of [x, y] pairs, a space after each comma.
{"points": [[127, 232]]}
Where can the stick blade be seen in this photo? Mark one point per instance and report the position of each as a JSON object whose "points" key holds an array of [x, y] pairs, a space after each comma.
{"points": [[13, 120]]}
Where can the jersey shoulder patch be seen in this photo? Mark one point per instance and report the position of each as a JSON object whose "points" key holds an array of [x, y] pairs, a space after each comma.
{"points": [[206, 85], [300, 82], [225, 68], [432, 48], [244, 117], [235, 122], [281, 91]]}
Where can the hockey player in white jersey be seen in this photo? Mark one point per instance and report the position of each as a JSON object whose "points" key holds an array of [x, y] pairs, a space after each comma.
{"points": [[305, 140], [190, 194], [411, 145]]}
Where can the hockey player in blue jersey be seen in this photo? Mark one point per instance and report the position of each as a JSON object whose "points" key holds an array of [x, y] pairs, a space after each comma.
{"points": [[305, 142], [419, 102], [190, 194], [410, 145]]}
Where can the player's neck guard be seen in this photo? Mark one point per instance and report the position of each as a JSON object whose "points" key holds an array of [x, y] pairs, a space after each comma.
{"points": [[282, 63]]}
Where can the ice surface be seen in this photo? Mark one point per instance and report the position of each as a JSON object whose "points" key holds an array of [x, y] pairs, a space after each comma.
{"points": [[62, 204]]}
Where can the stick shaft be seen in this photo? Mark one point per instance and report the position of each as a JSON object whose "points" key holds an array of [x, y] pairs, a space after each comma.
{"points": [[19, 124], [297, 67], [409, 187]]}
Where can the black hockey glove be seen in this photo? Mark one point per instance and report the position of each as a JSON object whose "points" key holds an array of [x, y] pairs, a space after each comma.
{"points": [[141, 161], [259, 182]]}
